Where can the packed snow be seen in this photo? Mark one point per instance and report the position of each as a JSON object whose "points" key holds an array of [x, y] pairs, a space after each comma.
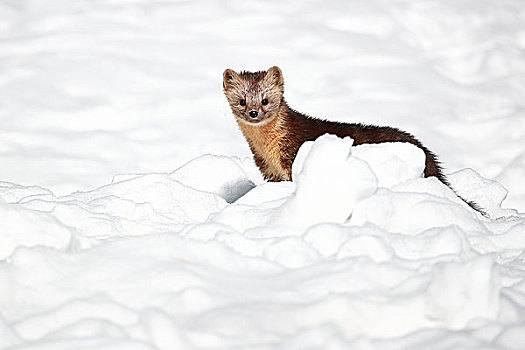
{"points": [[133, 217]]}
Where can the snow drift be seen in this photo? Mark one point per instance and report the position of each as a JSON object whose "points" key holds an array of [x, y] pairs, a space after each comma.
{"points": [[360, 248]]}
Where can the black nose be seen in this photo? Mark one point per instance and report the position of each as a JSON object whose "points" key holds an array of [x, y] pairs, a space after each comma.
{"points": [[253, 114]]}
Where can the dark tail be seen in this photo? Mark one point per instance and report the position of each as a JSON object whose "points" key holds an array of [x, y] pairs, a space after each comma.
{"points": [[433, 168], [473, 205]]}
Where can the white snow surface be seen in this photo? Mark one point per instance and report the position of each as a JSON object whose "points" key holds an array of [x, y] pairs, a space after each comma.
{"points": [[132, 215]]}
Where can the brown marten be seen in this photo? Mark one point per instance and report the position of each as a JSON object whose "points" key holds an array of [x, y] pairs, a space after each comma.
{"points": [[275, 132]]}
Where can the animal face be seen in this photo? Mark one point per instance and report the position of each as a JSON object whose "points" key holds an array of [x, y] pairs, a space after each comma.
{"points": [[254, 98]]}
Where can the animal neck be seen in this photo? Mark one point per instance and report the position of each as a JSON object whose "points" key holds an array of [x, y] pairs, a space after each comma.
{"points": [[264, 139]]}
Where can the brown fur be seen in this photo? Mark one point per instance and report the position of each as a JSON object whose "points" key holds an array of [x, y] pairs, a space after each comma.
{"points": [[276, 134]]}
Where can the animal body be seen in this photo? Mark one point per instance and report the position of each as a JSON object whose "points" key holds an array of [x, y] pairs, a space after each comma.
{"points": [[275, 131]]}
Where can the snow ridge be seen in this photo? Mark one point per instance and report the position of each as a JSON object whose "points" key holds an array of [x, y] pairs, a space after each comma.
{"points": [[359, 249]]}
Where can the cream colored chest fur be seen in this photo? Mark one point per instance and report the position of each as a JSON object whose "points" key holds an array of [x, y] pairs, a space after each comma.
{"points": [[265, 142]]}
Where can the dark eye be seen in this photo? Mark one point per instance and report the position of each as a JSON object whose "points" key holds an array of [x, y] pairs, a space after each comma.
{"points": [[264, 101], [243, 102]]}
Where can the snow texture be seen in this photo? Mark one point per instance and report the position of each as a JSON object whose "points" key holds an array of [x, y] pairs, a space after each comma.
{"points": [[132, 215]]}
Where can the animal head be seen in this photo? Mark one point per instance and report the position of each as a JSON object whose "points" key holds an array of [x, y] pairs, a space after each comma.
{"points": [[255, 98]]}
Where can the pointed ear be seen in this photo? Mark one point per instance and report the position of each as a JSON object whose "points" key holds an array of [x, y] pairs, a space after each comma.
{"points": [[274, 76], [230, 79]]}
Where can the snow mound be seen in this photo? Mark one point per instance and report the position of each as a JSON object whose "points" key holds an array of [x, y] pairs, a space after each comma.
{"points": [[23, 227], [219, 175], [359, 246], [329, 183]]}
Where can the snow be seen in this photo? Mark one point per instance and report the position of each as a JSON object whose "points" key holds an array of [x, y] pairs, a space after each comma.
{"points": [[132, 215], [329, 183]]}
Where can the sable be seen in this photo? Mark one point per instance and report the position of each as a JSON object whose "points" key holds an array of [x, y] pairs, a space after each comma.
{"points": [[275, 131]]}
